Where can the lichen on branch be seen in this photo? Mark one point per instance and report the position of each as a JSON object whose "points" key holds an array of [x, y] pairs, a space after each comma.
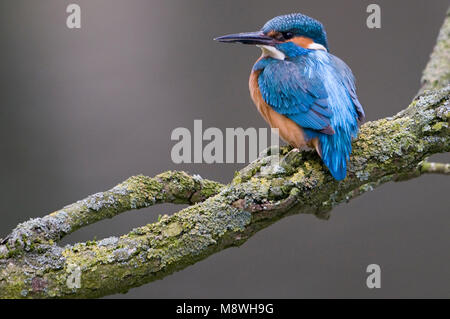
{"points": [[134, 193], [437, 72]]}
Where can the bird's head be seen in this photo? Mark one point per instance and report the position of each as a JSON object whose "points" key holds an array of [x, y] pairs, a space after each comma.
{"points": [[282, 35]]}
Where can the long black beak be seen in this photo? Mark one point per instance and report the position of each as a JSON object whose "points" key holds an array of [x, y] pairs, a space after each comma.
{"points": [[248, 38]]}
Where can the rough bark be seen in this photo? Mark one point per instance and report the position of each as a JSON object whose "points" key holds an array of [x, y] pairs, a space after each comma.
{"points": [[32, 265], [436, 74]]}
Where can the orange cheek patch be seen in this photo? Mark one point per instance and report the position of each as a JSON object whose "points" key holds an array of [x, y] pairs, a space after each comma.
{"points": [[304, 42]]}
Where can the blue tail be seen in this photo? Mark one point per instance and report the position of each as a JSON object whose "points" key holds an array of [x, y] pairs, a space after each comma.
{"points": [[335, 152]]}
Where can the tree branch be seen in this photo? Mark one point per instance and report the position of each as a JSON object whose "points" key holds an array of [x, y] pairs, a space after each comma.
{"points": [[437, 72], [32, 265], [134, 193], [435, 168]]}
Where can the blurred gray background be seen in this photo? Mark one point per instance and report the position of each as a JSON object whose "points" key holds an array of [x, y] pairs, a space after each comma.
{"points": [[82, 110]]}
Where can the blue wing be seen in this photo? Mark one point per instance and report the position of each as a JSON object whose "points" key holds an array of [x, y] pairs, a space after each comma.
{"points": [[348, 80], [291, 89]]}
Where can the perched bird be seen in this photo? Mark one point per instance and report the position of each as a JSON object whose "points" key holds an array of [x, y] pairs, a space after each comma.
{"points": [[308, 94]]}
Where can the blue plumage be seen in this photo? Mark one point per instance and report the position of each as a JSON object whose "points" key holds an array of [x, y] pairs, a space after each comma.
{"points": [[299, 79], [299, 24], [316, 90], [294, 89]]}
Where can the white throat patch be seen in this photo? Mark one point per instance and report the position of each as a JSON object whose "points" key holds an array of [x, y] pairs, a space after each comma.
{"points": [[317, 46], [271, 51]]}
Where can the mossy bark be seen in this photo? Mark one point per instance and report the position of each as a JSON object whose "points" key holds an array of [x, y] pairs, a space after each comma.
{"points": [[437, 72], [32, 265]]}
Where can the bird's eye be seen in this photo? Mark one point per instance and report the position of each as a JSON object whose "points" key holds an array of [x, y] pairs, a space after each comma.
{"points": [[287, 35], [281, 36]]}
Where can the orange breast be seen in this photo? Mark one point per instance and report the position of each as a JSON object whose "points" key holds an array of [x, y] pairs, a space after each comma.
{"points": [[289, 131]]}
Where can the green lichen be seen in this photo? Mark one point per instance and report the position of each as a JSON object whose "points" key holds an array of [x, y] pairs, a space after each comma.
{"points": [[173, 229], [439, 126]]}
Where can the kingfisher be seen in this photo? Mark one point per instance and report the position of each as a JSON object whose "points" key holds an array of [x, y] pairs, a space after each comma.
{"points": [[302, 90]]}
